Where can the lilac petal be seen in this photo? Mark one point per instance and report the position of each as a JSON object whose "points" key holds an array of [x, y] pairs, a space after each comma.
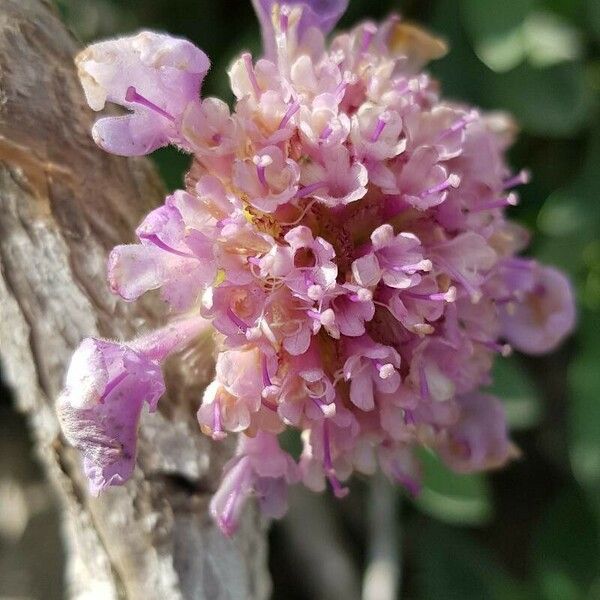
{"points": [[227, 503], [361, 390], [545, 317], [366, 270], [272, 497], [479, 441], [134, 269], [322, 14], [131, 135], [107, 385], [106, 431]]}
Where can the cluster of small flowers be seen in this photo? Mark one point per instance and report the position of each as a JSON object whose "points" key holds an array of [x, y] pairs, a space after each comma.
{"points": [[343, 230]]}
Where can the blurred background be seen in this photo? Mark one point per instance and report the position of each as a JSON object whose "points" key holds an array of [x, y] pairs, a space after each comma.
{"points": [[531, 531]]}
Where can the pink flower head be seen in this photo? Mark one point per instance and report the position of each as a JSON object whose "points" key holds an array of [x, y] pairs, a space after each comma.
{"points": [[344, 230]]}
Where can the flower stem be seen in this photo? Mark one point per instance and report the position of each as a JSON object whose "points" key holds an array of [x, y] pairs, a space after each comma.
{"points": [[382, 579]]}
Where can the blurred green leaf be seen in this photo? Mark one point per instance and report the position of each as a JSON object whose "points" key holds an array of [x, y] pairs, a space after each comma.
{"points": [[460, 60], [451, 566], [172, 165], [453, 498], [489, 18], [515, 387], [593, 14], [570, 220], [575, 210], [573, 10], [549, 40], [495, 30], [550, 102], [585, 406], [567, 548]]}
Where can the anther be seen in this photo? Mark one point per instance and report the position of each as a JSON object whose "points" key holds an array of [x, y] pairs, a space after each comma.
{"points": [[521, 178]]}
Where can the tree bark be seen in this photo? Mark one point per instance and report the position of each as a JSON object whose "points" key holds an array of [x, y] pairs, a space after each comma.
{"points": [[63, 204]]}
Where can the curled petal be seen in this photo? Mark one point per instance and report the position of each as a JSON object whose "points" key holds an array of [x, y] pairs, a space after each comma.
{"points": [[153, 75], [544, 317]]}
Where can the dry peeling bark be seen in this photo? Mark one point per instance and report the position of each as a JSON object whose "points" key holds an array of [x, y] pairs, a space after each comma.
{"points": [[63, 205]]}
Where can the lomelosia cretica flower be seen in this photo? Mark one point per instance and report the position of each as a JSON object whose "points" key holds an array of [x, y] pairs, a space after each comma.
{"points": [[343, 228]]}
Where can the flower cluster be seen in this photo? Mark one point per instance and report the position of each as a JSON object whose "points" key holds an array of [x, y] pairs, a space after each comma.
{"points": [[343, 230]]}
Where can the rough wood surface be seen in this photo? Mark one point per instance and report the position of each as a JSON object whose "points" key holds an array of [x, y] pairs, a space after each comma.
{"points": [[63, 205]]}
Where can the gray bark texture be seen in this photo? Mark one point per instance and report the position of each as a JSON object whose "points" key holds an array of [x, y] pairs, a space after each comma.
{"points": [[63, 204]]}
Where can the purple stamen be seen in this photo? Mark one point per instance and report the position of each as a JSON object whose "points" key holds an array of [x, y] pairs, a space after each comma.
{"points": [[262, 162], [112, 384], [520, 264], [243, 326], [510, 200], [367, 36], [502, 349], [340, 91], [227, 520], [326, 133], [291, 111], [247, 57], [423, 385], [452, 180], [520, 178], [270, 405], [422, 265], [437, 297], [156, 241], [412, 486], [260, 171], [265, 373], [309, 189], [338, 489], [133, 96], [460, 124], [217, 432], [381, 123], [460, 278], [284, 20], [409, 417]]}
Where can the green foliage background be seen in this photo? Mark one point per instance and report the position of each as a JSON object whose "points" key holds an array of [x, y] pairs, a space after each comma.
{"points": [[531, 531]]}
